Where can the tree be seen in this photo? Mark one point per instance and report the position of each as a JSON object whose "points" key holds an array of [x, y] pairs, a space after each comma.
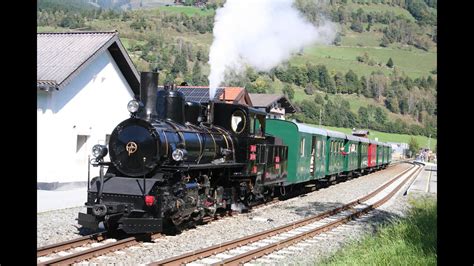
{"points": [[390, 63], [179, 65], [363, 117], [289, 91], [309, 90], [352, 82], [326, 83], [380, 116], [197, 73], [357, 26], [260, 85], [318, 99], [385, 41], [337, 40], [340, 82], [313, 74], [392, 103], [414, 147]]}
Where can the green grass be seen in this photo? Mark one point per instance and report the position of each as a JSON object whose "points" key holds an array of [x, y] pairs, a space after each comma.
{"points": [[390, 137], [40, 29], [415, 63], [188, 10], [367, 39], [409, 241]]}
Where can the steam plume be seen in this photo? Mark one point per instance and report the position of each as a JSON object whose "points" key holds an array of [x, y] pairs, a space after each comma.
{"points": [[260, 33]]}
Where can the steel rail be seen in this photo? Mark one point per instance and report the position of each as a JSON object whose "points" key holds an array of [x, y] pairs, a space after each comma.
{"points": [[212, 250], [259, 252], [61, 246]]}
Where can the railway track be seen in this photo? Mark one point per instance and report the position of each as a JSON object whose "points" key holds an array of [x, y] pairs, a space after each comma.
{"points": [[98, 244], [79, 249], [254, 246], [87, 247]]}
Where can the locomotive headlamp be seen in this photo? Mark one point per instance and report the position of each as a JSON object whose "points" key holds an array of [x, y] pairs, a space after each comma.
{"points": [[99, 151], [178, 154], [133, 106]]}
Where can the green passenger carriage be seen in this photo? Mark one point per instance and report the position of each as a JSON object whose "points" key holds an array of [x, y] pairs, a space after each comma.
{"points": [[306, 149], [363, 154], [351, 151], [380, 150], [335, 157], [316, 153]]}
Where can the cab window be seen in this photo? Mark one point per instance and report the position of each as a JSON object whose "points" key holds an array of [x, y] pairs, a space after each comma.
{"points": [[238, 121], [252, 124]]}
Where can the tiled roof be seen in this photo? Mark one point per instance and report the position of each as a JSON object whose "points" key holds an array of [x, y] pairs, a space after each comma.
{"points": [[263, 100], [61, 56], [231, 93]]}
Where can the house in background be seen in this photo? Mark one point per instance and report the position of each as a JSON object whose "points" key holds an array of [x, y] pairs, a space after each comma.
{"points": [[84, 82], [276, 105], [360, 133]]}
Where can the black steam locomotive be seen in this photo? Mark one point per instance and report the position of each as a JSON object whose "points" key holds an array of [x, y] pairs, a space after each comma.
{"points": [[172, 163]]}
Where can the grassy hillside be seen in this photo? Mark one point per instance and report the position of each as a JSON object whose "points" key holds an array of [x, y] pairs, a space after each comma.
{"points": [[188, 10], [390, 137], [415, 63], [163, 31]]}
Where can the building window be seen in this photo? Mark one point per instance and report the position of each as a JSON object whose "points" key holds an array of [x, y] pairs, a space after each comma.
{"points": [[81, 140], [107, 139]]}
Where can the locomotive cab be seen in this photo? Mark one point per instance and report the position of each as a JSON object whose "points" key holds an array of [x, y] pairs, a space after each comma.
{"points": [[241, 120]]}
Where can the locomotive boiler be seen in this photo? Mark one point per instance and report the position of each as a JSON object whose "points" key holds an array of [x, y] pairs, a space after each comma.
{"points": [[174, 162]]}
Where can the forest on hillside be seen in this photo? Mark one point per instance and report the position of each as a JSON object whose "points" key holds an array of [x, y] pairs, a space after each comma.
{"points": [[384, 34]]}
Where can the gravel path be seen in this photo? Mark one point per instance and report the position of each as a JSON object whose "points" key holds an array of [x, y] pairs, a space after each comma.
{"points": [[57, 226], [260, 219]]}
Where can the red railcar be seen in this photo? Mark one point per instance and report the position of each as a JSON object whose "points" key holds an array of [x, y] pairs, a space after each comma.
{"points": [[372, 154]]}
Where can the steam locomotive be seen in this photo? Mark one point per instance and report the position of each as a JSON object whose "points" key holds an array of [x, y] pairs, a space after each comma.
{"points": [[173, 162]]}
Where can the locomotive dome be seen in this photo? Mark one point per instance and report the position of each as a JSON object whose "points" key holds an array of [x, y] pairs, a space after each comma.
{"points": [[133, 148]]}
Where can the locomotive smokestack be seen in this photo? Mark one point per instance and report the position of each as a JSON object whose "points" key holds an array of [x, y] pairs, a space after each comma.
{"points": [[148, 92]]}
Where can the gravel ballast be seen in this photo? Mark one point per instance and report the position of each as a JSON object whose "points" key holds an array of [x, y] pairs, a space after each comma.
{"points": [[258, 220], [57, 226]]}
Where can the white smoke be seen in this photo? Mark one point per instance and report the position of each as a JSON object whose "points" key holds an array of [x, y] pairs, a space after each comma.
{"points": [[260, 33]]}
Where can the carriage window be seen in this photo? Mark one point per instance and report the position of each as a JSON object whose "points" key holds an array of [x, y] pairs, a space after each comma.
{"points": [[318, 148], [302, 147], [353, 147], [238, 121]]}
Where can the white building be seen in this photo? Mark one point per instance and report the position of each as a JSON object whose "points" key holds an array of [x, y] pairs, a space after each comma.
{"points": [[84, 82]]}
